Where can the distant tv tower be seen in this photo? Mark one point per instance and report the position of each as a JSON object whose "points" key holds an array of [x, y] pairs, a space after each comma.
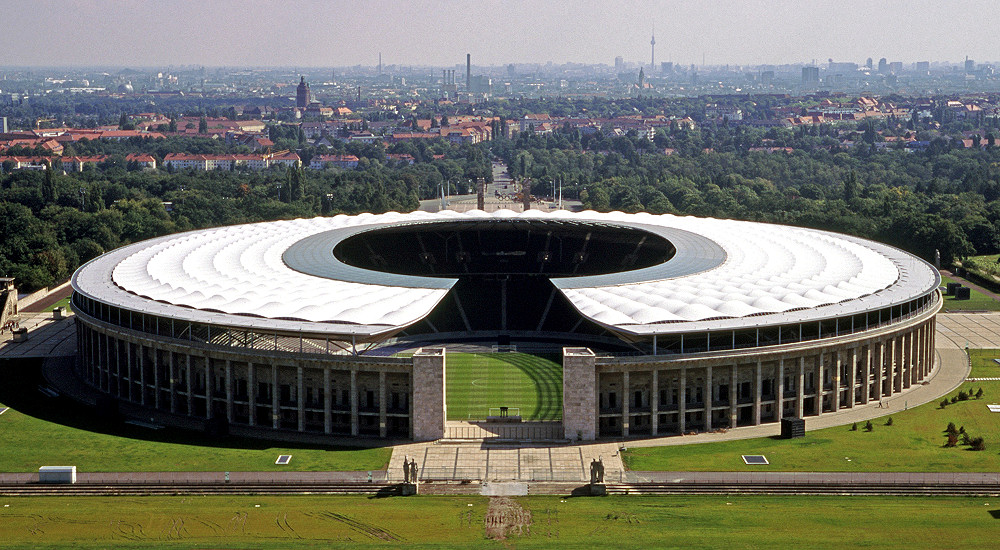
{"points": [[652, 51], [380, 63]]}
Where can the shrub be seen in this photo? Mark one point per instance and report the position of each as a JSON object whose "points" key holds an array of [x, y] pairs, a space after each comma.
{"points": [[954, 399], [854, 427], [962, 396], [889, 422], [979, 394], [961, 430], [965, 439], [944, 402], [868, 426], [952, 440], [978, 444], [951, 429]]}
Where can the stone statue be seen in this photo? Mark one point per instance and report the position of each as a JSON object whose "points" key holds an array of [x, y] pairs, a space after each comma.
{"points": [[406, 470], [413, 471], [600, 470], [937, 258], [593, 471]]}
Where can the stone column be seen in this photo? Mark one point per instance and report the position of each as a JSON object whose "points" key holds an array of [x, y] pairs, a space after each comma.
{"points": [[327, 402], [626, 398], [892, 365], [354, 398], [708, 398], [275, 394], [836, 381], [172, 377], [854, 378], [429, 406], [733, 397], [758, 383], [884, 375], [251, 393], [579, 394], [819, 383], [300, 398], [128, 369], [911, 356], [801, 393], [867, 382], [209, 391], [654, 403], [779, 397], [682, 402], [156, 377], [190, 381], [142, 377], [229, 390], [382, 419]]}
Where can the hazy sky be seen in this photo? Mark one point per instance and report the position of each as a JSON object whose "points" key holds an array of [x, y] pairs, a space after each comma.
{"points": [[340, 33]]}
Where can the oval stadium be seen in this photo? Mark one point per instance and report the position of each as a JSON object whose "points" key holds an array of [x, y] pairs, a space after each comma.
{"points": [[666, 325]]}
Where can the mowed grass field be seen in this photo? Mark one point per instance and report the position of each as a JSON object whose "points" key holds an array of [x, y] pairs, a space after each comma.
{"points": [[458, 522], [39, 431], [977, 300], [913, 443], [476, 382], [983, 364]]}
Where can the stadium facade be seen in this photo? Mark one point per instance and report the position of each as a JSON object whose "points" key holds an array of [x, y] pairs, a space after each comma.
{"points": [[670, 324]]}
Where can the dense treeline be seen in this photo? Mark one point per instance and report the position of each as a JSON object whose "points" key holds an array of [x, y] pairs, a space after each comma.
{"points": [[941, 198], [51, 223]]}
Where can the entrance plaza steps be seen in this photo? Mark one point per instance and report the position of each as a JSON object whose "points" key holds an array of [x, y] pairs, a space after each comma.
{"points": [[507, 431]]}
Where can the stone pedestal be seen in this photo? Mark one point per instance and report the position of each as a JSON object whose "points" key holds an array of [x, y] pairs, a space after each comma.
{"points": [[579, 394], [429, 409]]}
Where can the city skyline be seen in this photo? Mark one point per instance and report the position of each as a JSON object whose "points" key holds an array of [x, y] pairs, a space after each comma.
{"points": [[150, 33]]}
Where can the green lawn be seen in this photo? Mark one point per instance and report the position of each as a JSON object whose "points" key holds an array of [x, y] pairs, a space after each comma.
{"points": [[61, 303], [458, 522], [914, 443], [977, 300], [476, 382], [40, 431], [983, 365]]}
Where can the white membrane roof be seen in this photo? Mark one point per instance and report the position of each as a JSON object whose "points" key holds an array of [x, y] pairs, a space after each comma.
{"points": [[725, 275]]}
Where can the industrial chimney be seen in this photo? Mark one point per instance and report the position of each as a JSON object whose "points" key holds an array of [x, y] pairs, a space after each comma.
{"points": [[468, 72]]}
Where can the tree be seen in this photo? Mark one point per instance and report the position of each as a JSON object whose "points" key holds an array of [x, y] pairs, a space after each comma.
{"points": [[952, 440], [868, 426], [979, 393], [444, 121], [889, 422], [172, 127], [944, 403], [202, 126]]}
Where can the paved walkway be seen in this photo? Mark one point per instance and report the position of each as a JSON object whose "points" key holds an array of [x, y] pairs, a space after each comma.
{"points": [[46, 337]]}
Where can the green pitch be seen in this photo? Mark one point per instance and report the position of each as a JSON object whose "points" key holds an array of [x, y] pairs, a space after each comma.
{"points": [[477, 382]]}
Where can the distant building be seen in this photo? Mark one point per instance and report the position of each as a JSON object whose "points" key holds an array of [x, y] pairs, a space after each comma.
{"points": [[3, 125], [883, 66], [810, 75], [896, 67], [970, 66], [303, 97], [923, 67], [667, 67], [619, 63]]}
